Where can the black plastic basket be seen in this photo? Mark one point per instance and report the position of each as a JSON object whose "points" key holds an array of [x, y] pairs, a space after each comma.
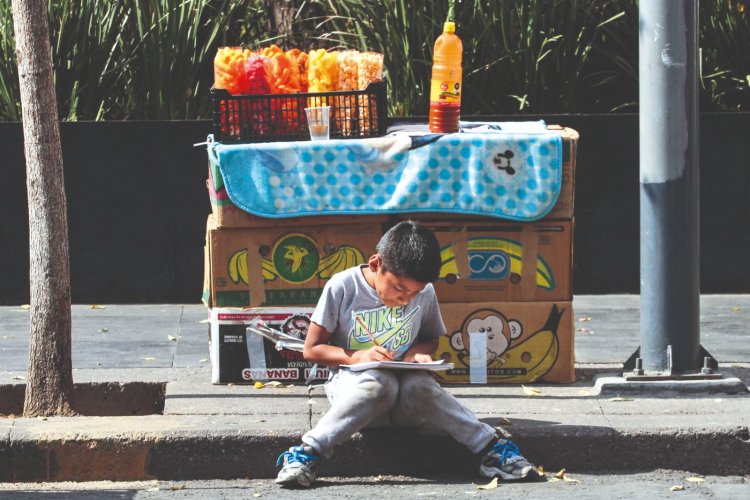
{"points": [[281, 117]]}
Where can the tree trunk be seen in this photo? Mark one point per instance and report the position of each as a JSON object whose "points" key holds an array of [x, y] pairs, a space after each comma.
{"points": [[280, 18], [49, 388]]}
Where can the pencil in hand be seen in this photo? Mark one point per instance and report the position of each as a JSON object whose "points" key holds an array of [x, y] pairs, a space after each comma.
{"points": [[372, 337], [367, 331]]}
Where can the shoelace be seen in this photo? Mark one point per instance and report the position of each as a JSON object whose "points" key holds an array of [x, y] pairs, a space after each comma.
{"points": [[507, 450], [295, 454]]}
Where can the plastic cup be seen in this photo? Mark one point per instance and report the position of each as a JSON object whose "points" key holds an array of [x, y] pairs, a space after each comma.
{"points": [[318, 120]]}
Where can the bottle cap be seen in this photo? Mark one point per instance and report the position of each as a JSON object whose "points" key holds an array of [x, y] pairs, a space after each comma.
{"points": [[449, 27]]}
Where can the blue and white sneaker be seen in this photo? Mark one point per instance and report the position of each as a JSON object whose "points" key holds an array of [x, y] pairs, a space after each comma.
{"points": [[504, 461], [298, 467]]}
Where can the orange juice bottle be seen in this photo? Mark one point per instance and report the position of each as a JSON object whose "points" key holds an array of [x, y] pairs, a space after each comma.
{"points": [[445, 88]]}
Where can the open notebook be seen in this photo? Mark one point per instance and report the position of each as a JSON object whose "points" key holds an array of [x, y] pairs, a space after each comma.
{"points": [[399, 365]]}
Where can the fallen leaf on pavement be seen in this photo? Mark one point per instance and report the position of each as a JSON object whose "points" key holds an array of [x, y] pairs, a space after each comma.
{"points": [[584, 318], [530, 391], [735, 309], [204, 360], [489, 486], [696, 479], [97, 306], [677, 488], [103, 330], [172, 338], [148, 358], [178, 487], [619, 399], [18, 377]]}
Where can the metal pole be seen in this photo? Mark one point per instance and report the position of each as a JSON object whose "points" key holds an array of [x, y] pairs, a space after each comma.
{"points": [[670, 288]]}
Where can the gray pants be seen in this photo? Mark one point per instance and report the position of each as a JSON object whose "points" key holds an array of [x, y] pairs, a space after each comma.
{"points": [[375, 398]]}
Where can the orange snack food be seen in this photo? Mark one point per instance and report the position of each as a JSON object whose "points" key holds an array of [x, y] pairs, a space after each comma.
{"points": [[229, 69], [322, 74], [278, 75], [282, 73], [369, 69], [230, 75], [348, 70], [301, 58], [322, 71], [345, 107]]}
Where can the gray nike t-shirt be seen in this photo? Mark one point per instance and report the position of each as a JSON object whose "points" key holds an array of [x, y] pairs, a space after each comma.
{"points": [[348, 295]]}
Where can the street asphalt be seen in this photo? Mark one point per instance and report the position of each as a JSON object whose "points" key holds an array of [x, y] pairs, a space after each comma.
{"points": [[126, 357]]}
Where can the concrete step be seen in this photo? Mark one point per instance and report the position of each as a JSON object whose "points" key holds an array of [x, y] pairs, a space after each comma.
{"points": [[230, 432]]}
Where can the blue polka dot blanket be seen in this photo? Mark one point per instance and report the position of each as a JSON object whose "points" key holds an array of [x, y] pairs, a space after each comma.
{"points": [[506, 170]]}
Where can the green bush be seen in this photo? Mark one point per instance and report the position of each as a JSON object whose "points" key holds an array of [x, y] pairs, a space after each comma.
{"points": [[129, 59], [725, 44], [153, 59]]}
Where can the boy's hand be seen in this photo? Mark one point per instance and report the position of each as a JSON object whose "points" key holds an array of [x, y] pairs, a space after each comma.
{"points": [[375, 353], [421, 352], [418, 358]]}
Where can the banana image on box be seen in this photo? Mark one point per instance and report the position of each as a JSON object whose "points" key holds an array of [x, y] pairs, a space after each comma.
{"points": [[493, 346], [295, 258]]}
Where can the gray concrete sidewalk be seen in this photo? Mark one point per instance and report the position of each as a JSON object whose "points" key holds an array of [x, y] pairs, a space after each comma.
{"points": [[235, 431]]}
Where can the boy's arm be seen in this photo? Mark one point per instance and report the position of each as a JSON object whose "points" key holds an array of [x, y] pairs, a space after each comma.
{"points": [[422, 350], [318, 350]]}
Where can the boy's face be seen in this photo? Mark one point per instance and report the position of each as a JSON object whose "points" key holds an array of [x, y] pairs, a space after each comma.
{"points": [[393, 290]]}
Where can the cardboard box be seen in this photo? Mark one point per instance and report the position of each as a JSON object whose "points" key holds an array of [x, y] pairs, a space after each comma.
{"points": [[563, 209], [508, 342], [228, 215], [239, 358], [282, 265], [503, 261]]}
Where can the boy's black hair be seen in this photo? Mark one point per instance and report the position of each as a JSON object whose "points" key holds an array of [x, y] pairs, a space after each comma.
{"points": [[410, 249]]}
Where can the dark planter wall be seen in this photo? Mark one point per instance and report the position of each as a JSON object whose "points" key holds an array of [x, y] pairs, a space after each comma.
{"points": [[137, 207]]}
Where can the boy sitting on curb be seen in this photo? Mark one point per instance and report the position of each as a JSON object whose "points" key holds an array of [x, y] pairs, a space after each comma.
{"points": [[392, 295]]}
